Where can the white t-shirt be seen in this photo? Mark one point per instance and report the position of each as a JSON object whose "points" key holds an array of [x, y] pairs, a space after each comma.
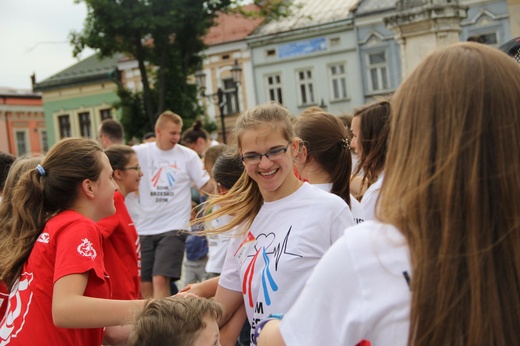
{"points": [[271, 264], [218, 244], [357, 292], [355, 207], [368, 202], [164, 191]]}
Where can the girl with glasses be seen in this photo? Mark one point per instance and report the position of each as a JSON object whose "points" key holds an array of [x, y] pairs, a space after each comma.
{"points": [[442, 265], [284, 225], [120, 239]]}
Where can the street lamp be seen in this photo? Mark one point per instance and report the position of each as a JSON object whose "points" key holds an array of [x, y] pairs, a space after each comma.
{"points": [[219, 98]]}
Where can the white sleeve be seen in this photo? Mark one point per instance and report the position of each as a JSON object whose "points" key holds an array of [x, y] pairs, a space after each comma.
{"points": [[230, 276], [197, 172], [330, 308], [368, 202], [342, 221]]}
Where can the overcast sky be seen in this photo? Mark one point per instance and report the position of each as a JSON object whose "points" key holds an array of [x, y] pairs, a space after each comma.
{"points": [[34, 39]]}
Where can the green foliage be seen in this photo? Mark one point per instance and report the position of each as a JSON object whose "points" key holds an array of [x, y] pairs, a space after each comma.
{"points": [[133, 118], [166, 34]]}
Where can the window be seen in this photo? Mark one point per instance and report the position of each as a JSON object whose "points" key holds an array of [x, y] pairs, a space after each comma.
{"points": [[305, 87], [335, 41], [230, 96], [64, 124], [43, 140], [338, 80], [274, 88], [21, 142], [490, 39], [84, 124], [377, 71], [105, 114], [270, 52]]}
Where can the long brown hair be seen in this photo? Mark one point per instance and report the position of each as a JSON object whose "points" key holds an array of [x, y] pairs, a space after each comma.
{"points": [[325, 138], [451, 187], [373, 135], [40, 194]]}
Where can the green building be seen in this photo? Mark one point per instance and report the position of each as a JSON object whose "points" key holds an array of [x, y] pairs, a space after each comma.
{"points": [[77, 99]]}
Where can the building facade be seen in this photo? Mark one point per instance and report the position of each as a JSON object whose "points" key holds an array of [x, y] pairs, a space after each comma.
{"points": [[77, 99], [309, 59], [22, 122]]}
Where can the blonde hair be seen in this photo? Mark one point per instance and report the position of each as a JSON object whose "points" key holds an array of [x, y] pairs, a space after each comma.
{"points": [[173, 321], [38, 196], [168, 116], [451, 187], [244, 200]]}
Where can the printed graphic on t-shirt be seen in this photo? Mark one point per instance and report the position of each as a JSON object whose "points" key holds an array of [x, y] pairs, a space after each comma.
{"points": [[18, 306], [270, 251], [44, 238], [163, 179], [87, 249]]}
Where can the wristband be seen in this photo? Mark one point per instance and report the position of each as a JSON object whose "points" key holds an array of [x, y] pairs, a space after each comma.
{"points": [[261, 325]]}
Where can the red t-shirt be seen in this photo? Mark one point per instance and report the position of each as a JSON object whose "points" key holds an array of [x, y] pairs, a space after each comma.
{"points": [[122, 252], [4, 295], [69, 244]]}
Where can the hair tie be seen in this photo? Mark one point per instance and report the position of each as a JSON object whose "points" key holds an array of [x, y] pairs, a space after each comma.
{"points": [[344, 143], [40, 170]]}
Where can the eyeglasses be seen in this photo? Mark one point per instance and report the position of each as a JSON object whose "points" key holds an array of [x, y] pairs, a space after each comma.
{"points": [[273, 154], [135, 168]]}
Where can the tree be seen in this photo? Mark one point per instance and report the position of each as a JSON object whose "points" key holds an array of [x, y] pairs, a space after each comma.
{"points": [[165, 38], [166, 34]]}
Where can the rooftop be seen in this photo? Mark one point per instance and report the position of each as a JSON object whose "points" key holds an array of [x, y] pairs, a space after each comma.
{"points": [[309, 13], [91, 69], [232, 27], [370, 6], [25, 93]]}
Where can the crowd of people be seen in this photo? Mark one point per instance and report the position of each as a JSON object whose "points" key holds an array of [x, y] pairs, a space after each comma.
{"points": [[396, 227]]}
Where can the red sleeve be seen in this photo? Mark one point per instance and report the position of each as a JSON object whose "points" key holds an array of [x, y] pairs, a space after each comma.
{"points": [[4, 298], [79, 250]]}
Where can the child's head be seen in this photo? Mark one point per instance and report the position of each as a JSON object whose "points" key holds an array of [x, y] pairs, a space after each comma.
{"points": [[227, 170], [370, 128], [124, 162], [268, 146], [325, 150], [19, 167], [177, 321], [196, 138], [211, 155]]}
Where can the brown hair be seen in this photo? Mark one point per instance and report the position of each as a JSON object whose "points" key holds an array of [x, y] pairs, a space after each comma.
{"points": [[112, 129], [39, 195], [325, 138], [228, 169], [119, 155], [195, 132], [173, 321], [212, 154], [451, 187], [373, 136]]}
